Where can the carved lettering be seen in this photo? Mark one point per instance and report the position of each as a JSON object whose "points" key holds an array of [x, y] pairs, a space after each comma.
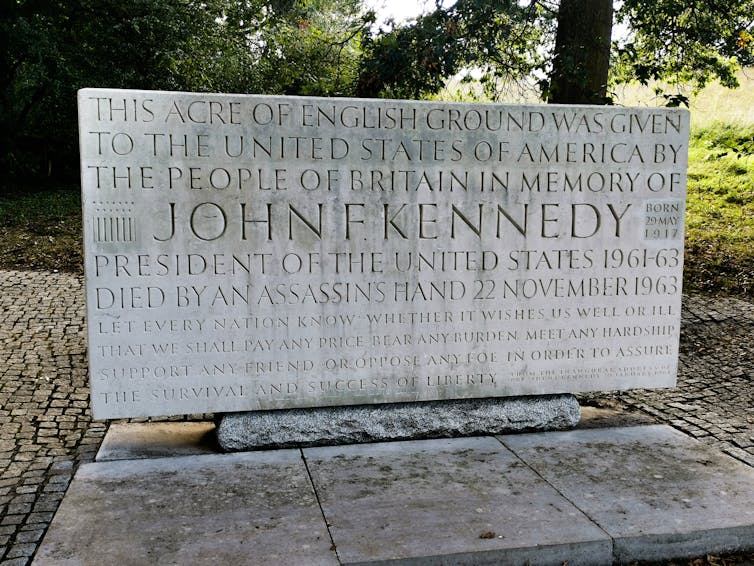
{"points": [[257, 252]]}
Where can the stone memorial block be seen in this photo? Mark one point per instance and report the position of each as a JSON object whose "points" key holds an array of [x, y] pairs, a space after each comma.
{"points": [[252, 252]]}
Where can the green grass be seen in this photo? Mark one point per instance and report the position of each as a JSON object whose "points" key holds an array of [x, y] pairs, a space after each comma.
{"points": [[41, 231], [720, 212], [713, 105]]}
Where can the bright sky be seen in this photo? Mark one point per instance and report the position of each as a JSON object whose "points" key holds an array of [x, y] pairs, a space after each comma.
{"points": [[405, 9], [399, 9]]}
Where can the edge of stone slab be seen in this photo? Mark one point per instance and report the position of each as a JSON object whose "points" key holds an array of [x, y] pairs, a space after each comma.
{"points": [[586, 553], [133, 441], [322, 426], [684, 545]]}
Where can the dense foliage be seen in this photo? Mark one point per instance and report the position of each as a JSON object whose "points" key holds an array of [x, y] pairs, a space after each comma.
{"points": [[678, 41], [51, 48], [684, 41], [499, 38]]}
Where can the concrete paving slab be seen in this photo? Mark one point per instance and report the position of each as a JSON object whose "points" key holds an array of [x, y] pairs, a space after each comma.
{"points": [[131, 441], [452, 501], [253, 508], [657, 492]]}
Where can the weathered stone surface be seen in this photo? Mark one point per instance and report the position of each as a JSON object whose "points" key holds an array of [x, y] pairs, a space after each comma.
{"points": [[249, 252], [658, 493], [593, 417], [370, 423], [227, 509], [714, 400], [600, 496], [450, 501]]}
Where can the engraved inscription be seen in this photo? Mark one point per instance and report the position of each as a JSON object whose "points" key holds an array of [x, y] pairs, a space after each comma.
{"points": [[112, 221], [256, 252]]}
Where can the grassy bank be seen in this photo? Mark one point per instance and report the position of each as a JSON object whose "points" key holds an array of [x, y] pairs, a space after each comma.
{"points": [[41, 231], [720, 211], [713, 105]]}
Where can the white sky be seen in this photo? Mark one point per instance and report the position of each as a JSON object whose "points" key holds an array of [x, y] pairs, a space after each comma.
{"points": [[399, 9], [405, 9]]}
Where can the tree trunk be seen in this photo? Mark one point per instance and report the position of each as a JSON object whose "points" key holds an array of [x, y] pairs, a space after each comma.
{"points": [[582, 52]]}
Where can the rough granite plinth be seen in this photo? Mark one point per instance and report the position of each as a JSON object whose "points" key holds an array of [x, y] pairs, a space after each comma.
{"points": [[402, 421]]}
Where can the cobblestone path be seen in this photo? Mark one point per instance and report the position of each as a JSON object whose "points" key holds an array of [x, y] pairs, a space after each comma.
{"points": [[46, 429], [714, 400], [45, 423]]}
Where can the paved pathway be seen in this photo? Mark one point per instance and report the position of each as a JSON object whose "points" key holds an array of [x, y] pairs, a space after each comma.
{"points": [[714, 400], [46, 429]]}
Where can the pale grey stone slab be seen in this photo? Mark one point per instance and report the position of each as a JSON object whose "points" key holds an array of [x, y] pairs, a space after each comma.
{"points": [[437, 501], [249, 252], [129, 441], [222, 509], [370, 423], [657, 492]]}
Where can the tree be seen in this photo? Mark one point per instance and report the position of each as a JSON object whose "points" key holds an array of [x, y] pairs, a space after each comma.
{"points": [[314, 49], [51, 48], [414, 60], [566, 45], [581, 58], [685, 42]]}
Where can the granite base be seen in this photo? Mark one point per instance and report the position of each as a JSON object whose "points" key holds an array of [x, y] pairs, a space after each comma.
{"points": [[328, 426]]}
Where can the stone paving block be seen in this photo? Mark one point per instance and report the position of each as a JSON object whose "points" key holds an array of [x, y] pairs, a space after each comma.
{"points": [[453, 501], [130, 441], [20, 550], [657, 492], [252, 508]]}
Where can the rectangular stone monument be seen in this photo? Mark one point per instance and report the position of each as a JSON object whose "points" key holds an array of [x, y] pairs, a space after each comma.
{"points": [[257, 252]]}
